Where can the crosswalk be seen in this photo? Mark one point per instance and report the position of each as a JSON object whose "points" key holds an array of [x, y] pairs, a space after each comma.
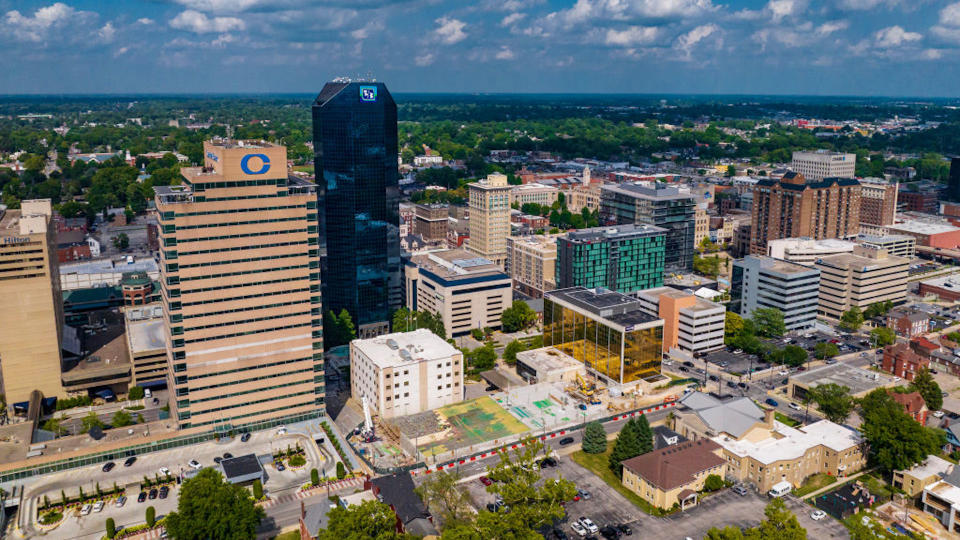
{"points": [[289, 497]]}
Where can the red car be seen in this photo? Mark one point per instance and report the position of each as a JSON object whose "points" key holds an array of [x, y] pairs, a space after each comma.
{"points": [[485, 481]]}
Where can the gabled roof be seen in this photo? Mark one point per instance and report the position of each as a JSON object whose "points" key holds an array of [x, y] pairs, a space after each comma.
{"points": [[735, 417], [676, 465], [396, 490], [912, 402]]}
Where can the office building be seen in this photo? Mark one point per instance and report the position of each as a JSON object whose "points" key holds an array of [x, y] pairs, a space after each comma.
{"points": [[31, 320], [953, 183], [701, 224], [490, 218], [466, 291], [625, 258], [690, 323], [646, 203], [878, 201], [900, 245], [240, 274], [919, 197], [861, 278], [533, 193], [675, 475], [932, 234], [806, 251], [146, 346], [792, 207], [608, 332], [762, 282], [405, 373], [583, 196], [430, 222], [532, 263], [824, 164], [355, 147]]}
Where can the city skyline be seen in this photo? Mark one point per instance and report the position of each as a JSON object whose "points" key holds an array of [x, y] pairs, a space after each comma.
{"points": [[779, 47]]}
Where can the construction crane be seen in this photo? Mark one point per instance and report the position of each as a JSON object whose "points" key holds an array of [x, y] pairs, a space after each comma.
{"points": [[367, 434], [586, 388]]}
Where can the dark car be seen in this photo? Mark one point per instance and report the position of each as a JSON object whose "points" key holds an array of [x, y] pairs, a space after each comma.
{"points": [[130, 461], [742, 384], [688, 363], [491, 507], [142, 496], [245, 437], [491, 388], [731, 384], [548, 462], [153, 494], [713, 378], [217, 459], [280, 466], [625, 529], [684, 368], [164, 491], [559, 535], [566, 440], [227, 455], [108, 466], [772, 402], [609, 533]]}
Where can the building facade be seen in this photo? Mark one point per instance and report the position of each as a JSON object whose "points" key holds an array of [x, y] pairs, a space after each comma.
{"points": [[900, 360], [146, 346], [466, 291], [878, 201], [861, 278], [533, 193], [355, 159], [240, 268], [690, 323], [31, 320], [929, 233], [405, 373], [430, 222], [824, 164], [625, 259], [646, 203], [793, 207], [532, 263], [608, 332], [762, 282], [701, 228], [900, 245], [490, 218], [806, 251], [674, 475]]}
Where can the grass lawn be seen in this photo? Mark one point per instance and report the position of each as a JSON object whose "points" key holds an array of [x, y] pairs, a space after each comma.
{"points": [[815, 482], [597, 464], [786, 420], [304, 168]]}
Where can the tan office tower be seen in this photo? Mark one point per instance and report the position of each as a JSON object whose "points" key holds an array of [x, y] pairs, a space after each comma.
{"points": [[490, 218], [878, 201], [241, 289], [31, 321]]}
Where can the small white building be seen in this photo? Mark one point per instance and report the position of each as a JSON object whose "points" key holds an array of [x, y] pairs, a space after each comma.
{"points": [[691, 323], [405, 373]]}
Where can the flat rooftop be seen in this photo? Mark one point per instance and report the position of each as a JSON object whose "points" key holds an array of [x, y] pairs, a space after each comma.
{"points": [[885, 239], [240, 143], [649, 190], [548, 359], [107, 266], [931, 466], [859, 381], [403, 348], [605, 304], [146, 335], [945, 282], [861, 263], [454, 264], [923, 227], [618, 232], [240, 466], [793, 443], [779, 266], [699, 304]]}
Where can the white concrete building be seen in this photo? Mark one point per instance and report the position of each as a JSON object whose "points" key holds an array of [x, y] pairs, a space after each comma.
{"points": [[405, 373], [824, 164], [690, 323], [806, 251], [764, 282]]}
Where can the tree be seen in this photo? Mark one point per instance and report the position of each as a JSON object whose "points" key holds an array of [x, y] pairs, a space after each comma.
{"points": [[791, 355], [924, 383], [209, 507], [482, 358], [511, 350], [151, 516], [877, 309], [707, 266], [369, 519], [896, 440], [882, 336], [731, 171], [594, 438], [341, 471], [825, 350], [405, 320], [733, 326], [338, 329], [111, 528], [644, 434], [121, 241], [852, 319], [121, 418], [625, 447], [257, 490], [713, 483], [519, 316], [446, 498], [91, 421], [315, 477], [781, 524], [135, 392], [833, 400], [769, 322], [55, 425]]}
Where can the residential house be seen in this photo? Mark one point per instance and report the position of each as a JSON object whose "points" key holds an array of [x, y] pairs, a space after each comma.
{"points": [[921, 475], [913, 404], [908, 324], [397, 491], [900, 360], [674, 475]]}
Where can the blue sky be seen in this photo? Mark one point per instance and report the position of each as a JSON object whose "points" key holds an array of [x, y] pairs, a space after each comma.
{"points": [[836, 47]]}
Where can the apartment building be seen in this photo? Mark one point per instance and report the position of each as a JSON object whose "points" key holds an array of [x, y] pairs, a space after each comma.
{"points": [[822, 164], [701, 221], [921, 475], [878, 201], [466, 291], [405, 373], [31, 320], [533, 193], [625, 258], [690, 323], [490, 218], [763, 282], [861, 278], [532, 262], [901, 361], [806, 251], [430, 222], [240, 274], [793, 207]]}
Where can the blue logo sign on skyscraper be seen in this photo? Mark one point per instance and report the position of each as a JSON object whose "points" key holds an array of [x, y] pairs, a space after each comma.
{"points": [[368, 94], [264, 164]]}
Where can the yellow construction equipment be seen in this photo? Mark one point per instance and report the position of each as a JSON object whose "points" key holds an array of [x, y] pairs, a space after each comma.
{"points": [[586, 388]]}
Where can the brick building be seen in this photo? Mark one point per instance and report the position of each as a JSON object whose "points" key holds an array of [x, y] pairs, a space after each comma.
{"points": [[908, 324], [902, 361], [913, 404]]}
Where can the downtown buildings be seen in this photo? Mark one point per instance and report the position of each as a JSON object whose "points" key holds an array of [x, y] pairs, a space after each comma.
{"points": [[355, 159], [821, 164], [490, 218], [625, 259], [864, 277], [240, 267], [763, 282]]}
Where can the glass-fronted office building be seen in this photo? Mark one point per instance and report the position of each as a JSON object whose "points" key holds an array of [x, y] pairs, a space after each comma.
{"points": [[606, 331], [625, 258], [355, 147]]}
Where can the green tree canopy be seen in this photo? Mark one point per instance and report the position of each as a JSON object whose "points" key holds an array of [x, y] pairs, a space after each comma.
{"points": [[791, 355], [896, 440], [882, 336], [511, 350], [879, 308], [209, 507], [626, 446], [644, 434], [371, 520], [91, 421], [833, 400], [405, 320], [733, 326], [824, 350], [780, 524], [518, 316], [852, 319], [338, 329], [446, 498], [594, 438], [924, 383], [769, 322]]}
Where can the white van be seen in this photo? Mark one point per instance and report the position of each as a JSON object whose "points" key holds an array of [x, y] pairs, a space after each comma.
{"points": [[780, 489], [147, 393]]}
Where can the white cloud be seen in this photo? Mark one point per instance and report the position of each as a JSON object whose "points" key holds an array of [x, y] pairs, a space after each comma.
{"points": [[121, 51], [931, 54], [585, 11], [863, 5], [950, 15], [450, 30], [633, 35], [220, 6], [44, 21], [512, 18], [367, 30], [145, 21], [781, 9], [107, 32], [199, 23], [424, 59], [894, 36], [687, 41], [830, 27], [505, 53]]}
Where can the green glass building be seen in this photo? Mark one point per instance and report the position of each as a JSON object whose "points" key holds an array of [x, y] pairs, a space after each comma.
{"points": [[607, 331], [625, 258]]}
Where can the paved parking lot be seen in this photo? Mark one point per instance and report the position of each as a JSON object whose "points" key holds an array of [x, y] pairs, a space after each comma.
{"points": [[735, 363]]}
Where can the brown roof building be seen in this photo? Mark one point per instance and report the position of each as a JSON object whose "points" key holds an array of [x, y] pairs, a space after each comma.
{"points": [[792, 207], [914, 404], [674, 475], [901, 361]]}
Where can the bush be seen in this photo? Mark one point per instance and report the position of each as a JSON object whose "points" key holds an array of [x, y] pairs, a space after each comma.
{"points": [[257, 490], [135, 392], [69, 403], [51, 517], [151, 516], [713, 483], [111, 528], [341, 471], [297, 461], [314, 477]]}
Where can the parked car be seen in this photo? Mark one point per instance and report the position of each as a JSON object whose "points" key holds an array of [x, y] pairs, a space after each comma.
{"points": [[684, 368], [153, 494], [85, 510], [938, 414], [731, 384], [549, 462], [817, 515], [195, 464], [584, 494], [625, 529], [164, 471], [794, 406], [610, 533], [588, 524], [280, 466], [485, 481], [98, 506], [566, 440], [783, 373], [578, 528], [772, 402], [282, 430], [130, 461], [559, 534], [108, 466], [713, 378], [740, 490], [142, 496], [227, 455], [217, 460], [742, 385], [245, 437], [688, 363], [164, 491], [121, 500]]}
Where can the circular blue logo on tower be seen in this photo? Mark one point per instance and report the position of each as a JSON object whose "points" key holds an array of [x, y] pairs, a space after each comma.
{"points": [[264, 164]]}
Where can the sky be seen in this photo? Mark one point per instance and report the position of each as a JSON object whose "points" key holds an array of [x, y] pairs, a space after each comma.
{"points": [[813, 47]]}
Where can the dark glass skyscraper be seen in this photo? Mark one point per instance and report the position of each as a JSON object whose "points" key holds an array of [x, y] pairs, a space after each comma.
{"points": [[355, 158]]}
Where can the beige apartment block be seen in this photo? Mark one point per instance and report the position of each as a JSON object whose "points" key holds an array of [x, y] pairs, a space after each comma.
{"points": [[533, 193], [31, 321], [861, 278], [405, 373], [701, 221], [915, 479], [531, 263], [241, 288], [490, 218], [583, 196]]}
